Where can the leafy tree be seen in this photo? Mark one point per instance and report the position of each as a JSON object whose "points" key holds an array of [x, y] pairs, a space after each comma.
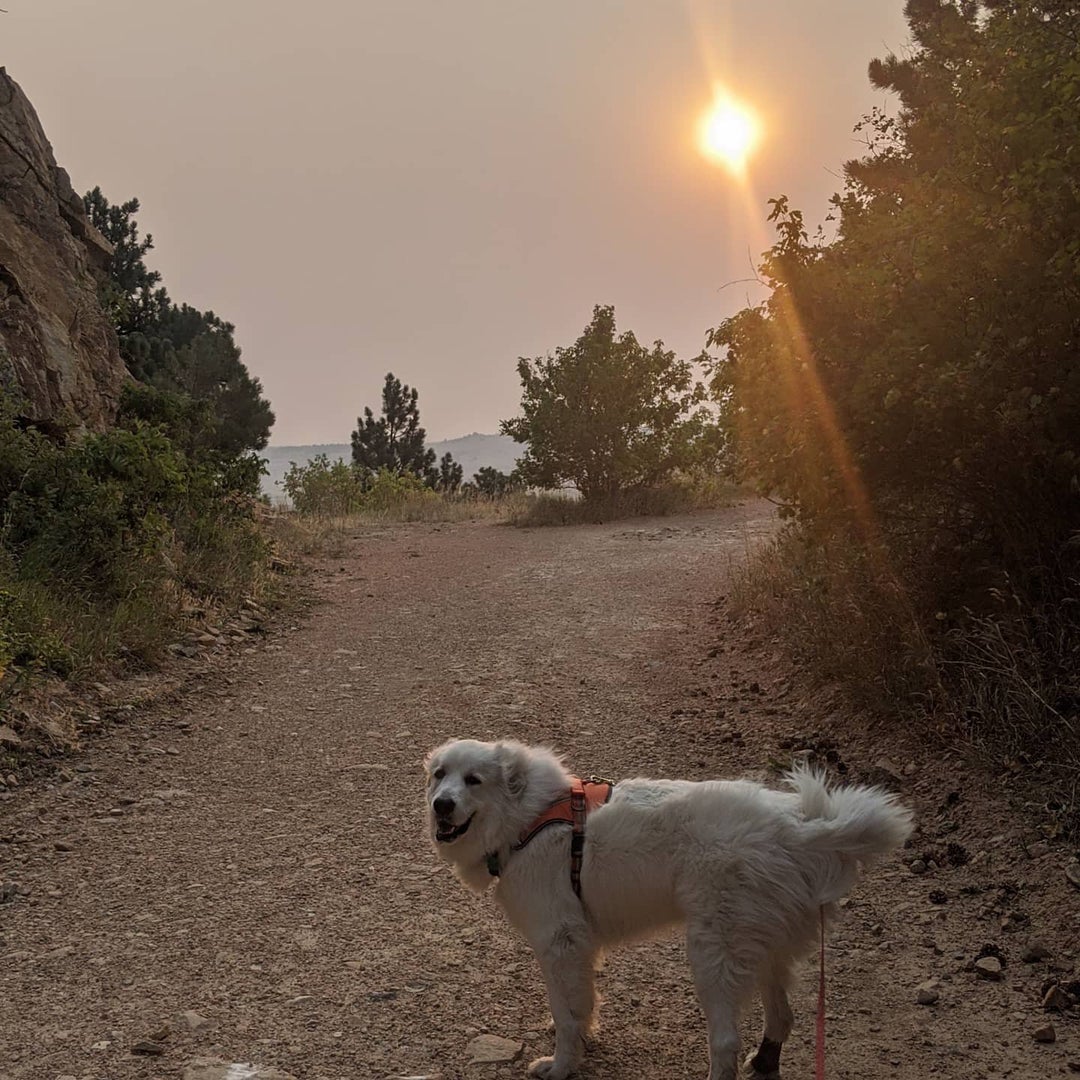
{"points": [[913, 384], [178, 349], [924, 361], [606, 414], [394, 440]]}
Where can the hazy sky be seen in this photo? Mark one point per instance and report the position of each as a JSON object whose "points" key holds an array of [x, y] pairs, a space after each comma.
{"points": [[436, 187]]}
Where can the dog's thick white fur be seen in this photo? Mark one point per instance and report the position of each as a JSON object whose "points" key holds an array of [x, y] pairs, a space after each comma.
{"points": [[745, 868]]}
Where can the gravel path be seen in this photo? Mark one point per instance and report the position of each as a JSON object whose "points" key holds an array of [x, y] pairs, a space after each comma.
{"points": [[257, 853]]}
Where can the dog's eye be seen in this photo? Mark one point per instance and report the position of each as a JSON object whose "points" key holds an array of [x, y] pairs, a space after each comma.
{"points": [[472, 780], [438, 774]]}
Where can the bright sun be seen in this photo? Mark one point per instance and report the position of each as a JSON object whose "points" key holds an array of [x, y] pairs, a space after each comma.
{"points": [[729, 132]]}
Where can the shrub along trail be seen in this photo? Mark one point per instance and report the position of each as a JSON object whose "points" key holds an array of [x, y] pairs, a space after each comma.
{"points": [[256, 854]]}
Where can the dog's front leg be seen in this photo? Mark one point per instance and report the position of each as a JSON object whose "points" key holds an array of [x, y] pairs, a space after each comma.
{"points": [[567, 960]]}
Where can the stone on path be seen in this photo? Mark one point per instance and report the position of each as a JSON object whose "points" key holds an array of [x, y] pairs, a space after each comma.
{"points": [[492, 1049], [189, 1020], [216, 1069], [988, 967], [1035, 951], [1045, 1033]]}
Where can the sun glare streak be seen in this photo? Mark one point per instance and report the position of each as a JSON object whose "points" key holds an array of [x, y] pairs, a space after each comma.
{"points": [[806, 397], [729, 133]]}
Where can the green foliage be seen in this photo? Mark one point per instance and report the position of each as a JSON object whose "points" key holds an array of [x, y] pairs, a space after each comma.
{"points": [[449, 476], [913, 384], [324, 488], [101, 536], [28, 644], [388, 490], [178, 350], [492, 483], [395, 440], [606, 414]]}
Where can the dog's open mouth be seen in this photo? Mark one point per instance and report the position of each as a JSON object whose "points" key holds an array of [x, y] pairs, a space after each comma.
{"points": [[446, 833]]}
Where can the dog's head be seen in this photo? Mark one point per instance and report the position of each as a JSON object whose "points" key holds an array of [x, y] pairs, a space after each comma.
{"points": [[471, 786]]}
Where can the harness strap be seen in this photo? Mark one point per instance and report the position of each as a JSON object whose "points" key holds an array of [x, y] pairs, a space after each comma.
{"points": [[577, 837], [571, 809]]}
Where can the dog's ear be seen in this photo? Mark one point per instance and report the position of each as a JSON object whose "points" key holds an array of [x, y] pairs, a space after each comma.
{"points": [[513, 759]]}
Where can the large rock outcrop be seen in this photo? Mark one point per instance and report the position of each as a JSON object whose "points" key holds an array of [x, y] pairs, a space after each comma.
{"points": [[59, 358]]}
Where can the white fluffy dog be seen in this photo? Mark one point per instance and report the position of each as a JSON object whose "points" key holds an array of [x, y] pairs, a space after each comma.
{"points": [[747, 869]]}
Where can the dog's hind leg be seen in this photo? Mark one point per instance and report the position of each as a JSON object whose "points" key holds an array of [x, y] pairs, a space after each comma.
{"points": [[765, 1064], [723, 977], [568, 962]]}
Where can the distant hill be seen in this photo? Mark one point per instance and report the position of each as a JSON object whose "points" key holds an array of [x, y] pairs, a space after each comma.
{"points": [[472, 452]]}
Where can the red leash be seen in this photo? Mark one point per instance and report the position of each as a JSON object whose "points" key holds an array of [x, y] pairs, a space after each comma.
{"points": [[820, 1050]]}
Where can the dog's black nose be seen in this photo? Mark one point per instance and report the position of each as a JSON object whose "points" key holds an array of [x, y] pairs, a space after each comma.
{"points": [[444, 807]]}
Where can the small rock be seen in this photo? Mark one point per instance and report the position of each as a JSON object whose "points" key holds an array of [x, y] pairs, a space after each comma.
{"points": [[189, 1020], [988, 967], [927, 993], [63, 845], [8, 737], [492, 1049], [1034, 952], [918, 867], [148, 1048], [1044, 1033], [1056, 1000], [1072, 873], [1038, 849]]}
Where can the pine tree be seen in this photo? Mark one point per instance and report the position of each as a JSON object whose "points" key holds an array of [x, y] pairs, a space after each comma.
{"points": [[450, 474], [395, 440]]}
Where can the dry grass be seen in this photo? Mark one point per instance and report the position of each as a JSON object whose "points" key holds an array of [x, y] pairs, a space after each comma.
{"points": [[677, 497], [304, 535], [843, 618], [1006, 681]]}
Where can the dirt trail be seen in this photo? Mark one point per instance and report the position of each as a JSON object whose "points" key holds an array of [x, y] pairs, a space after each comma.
{"points": [[258, 855]]}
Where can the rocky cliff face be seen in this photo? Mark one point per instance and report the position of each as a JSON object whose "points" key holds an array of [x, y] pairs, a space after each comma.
{"points": [[59, 358]]}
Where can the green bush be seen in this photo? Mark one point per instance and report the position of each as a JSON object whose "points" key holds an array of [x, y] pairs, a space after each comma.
{"points": [[323, 488], [327, 489], [102, 536]]}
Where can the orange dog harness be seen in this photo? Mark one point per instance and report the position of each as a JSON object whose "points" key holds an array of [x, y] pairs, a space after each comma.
{"points": [[583, 797]]}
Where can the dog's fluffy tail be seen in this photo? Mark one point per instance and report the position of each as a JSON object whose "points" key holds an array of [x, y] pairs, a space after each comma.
{"points": [[858, 822]]}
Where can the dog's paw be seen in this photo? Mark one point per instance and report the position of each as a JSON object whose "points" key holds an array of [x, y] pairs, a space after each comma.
{"points": [[546, 1069], [753, 1074], [757, 1074]]}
